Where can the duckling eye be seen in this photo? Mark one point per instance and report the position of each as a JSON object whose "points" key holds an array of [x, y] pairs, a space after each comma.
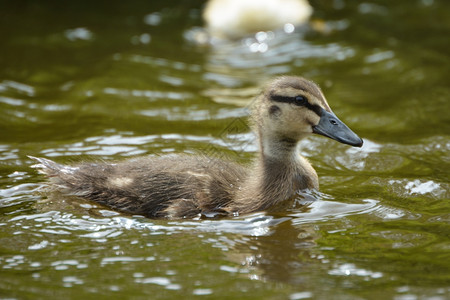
{"points": [[300, 100]]}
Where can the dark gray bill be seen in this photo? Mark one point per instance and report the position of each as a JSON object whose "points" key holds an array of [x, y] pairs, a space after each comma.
{"points": [[330, 126]]}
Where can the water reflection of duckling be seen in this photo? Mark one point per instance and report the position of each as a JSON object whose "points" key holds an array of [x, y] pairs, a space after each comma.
{"points": [[289, 109], [233, 19]]}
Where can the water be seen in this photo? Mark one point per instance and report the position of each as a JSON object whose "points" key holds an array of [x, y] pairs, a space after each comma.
{"points": [[108, 81]]}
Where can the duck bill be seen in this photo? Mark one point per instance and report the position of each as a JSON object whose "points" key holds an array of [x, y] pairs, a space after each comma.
{"points": [[330, 126]]}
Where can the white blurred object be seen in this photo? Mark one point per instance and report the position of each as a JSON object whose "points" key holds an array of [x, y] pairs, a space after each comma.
{"points": [[233, 19]]}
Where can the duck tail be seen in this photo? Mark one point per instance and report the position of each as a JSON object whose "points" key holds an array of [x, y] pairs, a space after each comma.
{"points": [[73, 181], [50, 168], [61, 176]]}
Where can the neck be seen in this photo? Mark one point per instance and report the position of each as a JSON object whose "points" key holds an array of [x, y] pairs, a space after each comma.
{"points": [[278, 149], [274, 146], [277, 174]]}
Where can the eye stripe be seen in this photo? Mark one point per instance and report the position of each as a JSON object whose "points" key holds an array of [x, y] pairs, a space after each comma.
{"points": [[315, 108], [285, 99]]}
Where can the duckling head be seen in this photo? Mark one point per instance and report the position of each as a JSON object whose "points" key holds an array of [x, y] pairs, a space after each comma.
{"points": [[291, 108]]}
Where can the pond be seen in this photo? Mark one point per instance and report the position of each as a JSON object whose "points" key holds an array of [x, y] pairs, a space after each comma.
{"points": [[96, 80]]}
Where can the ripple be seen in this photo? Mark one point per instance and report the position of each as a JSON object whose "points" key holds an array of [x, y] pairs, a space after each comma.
{"points": [[404, 238], [153, 19], [200, 292], [301, 295], [349, 269], [18, 87], [406, 188], [162, 281], [40, 245], [391, 213], [179, 114], [10, 196], [417, 187], [379, 56], [321, 210], [158, 61], [257, 224], [119, 259], [69, 281], [152, 95], [12, 101], [126, 144], [80, 33]]}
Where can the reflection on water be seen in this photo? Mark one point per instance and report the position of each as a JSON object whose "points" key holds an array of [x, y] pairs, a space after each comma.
{"points": [[123, 79], [246, 241], [234, 63]]}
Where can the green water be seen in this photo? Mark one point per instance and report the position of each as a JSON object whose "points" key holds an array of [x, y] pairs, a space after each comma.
{"points": [[108, 80]]}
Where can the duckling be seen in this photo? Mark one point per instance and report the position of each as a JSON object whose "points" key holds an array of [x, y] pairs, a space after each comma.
{"points": [[232, 19], [186, 186]]}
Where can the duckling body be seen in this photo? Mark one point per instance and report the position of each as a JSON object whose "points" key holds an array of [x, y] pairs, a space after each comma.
{"points": [[172, 186], [185, 186]]}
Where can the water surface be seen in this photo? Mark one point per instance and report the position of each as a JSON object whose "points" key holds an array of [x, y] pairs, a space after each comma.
{"points": [[110, 81]]}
